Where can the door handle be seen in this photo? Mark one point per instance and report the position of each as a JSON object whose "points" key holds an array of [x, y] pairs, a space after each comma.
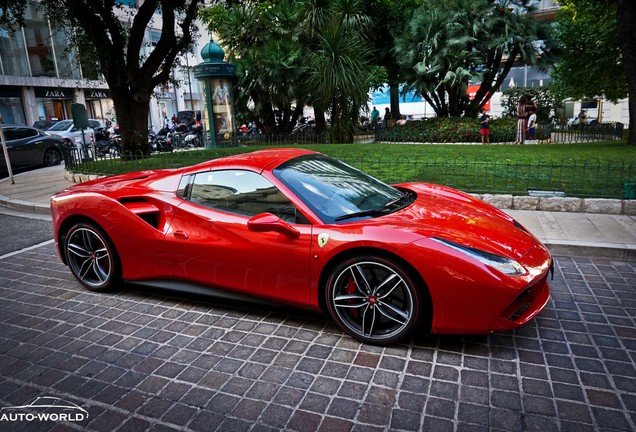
{"points": [[181, 235]]}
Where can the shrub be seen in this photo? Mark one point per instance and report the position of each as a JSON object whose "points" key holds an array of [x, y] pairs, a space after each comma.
{"points": [[450, 130]]}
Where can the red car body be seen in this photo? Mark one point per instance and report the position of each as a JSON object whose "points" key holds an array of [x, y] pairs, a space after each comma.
{"points": [[160, 237]]}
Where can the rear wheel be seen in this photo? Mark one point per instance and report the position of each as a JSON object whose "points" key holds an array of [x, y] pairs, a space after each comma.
{"points": [[52, 157], [374, 299], [91, 257]]}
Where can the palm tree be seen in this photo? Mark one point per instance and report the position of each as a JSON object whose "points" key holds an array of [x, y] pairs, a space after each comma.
{"points": [[339, 68], [270, 62], [447, 45], [337, 80]]}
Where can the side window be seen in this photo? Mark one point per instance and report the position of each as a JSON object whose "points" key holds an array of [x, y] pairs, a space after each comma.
{"points": [[9, 134], [185, 187], [28, 132], [20, 133], [242, 192]]}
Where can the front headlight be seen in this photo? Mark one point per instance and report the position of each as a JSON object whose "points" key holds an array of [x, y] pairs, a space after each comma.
{"points": [[497, 262]]}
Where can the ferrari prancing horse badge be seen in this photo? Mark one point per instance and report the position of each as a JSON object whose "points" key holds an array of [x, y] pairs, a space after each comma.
{"points": [[323, 238]]}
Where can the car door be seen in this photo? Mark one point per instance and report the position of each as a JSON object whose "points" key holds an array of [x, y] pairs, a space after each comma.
{"points": [[21, 152], [214, 241]]}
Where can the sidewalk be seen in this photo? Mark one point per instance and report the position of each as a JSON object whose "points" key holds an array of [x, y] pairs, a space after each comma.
{"points": [[565, 233]]}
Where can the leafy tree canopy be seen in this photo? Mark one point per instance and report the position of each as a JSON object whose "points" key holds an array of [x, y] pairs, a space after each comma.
{"points": [[446, 45], [591, 63], [113, 36], [294, 53], [387, 24]]}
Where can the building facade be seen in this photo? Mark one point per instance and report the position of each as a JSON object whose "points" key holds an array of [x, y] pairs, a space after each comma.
{"points": [[40, 76]]}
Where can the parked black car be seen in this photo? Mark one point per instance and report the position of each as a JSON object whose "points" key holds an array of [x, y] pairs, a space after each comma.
{"points": [[29, 147]]}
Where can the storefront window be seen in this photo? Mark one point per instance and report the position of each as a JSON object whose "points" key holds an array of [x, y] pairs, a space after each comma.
{"points": [[11, 106], [38, 43], [53, 103], [99, 104], [13, 59]]}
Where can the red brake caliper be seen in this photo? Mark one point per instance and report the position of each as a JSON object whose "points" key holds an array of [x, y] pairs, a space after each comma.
{"points": [[352, 289]]}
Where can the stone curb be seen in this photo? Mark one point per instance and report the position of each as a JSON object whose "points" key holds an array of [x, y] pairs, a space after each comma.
{"points": [[621, 252], [561, 204]]}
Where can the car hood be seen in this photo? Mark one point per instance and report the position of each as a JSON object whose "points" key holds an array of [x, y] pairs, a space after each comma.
{"points": [[449, 214]]}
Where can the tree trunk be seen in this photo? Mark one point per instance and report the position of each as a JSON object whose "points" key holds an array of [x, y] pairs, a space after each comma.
{"points": [[132, 117], [626, 17], [394, 94], [321, 122]]}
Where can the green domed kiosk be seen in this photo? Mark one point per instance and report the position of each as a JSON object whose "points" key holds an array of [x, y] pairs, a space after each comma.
{"points": [[216, 77]]}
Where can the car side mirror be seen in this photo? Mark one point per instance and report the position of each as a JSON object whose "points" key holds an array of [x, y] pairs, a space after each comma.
{"points": [[267, 222]]}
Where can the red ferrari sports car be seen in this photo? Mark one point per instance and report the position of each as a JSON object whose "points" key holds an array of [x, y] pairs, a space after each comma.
{"points": [[298, 227]]}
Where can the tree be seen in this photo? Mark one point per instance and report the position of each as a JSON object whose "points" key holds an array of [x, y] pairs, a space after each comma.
{"points": [[598, 40], [388, 19], [113, 36], [447, 45], [270, 62], [339, 69], [295, 53], [591, 63], [626, 16]]}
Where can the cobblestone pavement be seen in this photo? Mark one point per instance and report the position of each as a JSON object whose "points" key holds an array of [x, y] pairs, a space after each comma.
{"points": [[140, 362]]}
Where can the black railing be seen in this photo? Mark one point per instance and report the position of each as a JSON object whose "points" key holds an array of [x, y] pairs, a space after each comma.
{"points": [[545, 134]]}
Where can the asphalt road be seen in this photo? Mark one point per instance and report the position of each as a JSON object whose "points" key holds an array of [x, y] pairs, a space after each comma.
{"points": [[19, 231]]}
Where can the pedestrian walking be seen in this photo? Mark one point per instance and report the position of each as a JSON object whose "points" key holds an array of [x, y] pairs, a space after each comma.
{"points": [[532, 123], [484, 127], [522, 119], [375, 116], [388, 118]]}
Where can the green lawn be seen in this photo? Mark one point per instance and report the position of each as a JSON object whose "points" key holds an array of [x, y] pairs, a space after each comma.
{"points": [[586, 170]]}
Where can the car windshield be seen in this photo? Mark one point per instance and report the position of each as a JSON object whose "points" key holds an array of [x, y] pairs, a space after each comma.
{"points": [[61, 126], [337, 192]]}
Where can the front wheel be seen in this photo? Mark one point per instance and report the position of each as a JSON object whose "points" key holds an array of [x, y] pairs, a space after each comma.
{"points": [[374, 300], [91, 257]]}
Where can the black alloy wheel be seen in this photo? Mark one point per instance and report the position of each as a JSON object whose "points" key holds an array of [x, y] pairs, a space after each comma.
{"points": [[374, 300], [91, 257]]}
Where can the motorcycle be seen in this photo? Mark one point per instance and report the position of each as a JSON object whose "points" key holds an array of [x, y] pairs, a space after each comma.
{"points": [[112, 146], [159, 143], [194, 137]]}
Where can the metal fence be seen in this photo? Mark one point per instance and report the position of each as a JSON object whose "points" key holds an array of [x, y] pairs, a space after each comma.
{"points": [[545, 134], [588, 178]]}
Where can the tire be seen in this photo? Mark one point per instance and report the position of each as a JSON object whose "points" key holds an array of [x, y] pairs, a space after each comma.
{"points": [[91, 257], [52, 158], [374, 300]]}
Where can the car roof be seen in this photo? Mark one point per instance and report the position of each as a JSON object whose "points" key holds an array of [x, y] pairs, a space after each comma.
{"points": [[255, 161]]}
